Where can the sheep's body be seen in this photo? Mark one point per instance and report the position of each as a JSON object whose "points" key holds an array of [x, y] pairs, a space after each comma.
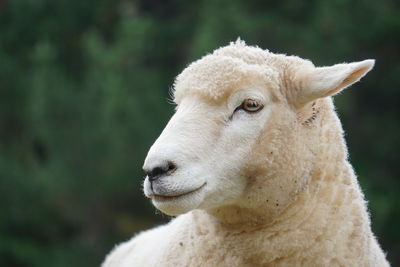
{"points": [[301, 204]]}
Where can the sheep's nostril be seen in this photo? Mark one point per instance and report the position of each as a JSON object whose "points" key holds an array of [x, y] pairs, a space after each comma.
{"points": [[171, 167], [161, 170]]}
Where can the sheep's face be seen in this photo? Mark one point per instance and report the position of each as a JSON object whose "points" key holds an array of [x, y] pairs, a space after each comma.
{"points": [[203, 150], [200, 155], [235, 138]]}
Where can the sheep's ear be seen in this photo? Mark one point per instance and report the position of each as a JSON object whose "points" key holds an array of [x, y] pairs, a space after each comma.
{"points": [[317, 82]]}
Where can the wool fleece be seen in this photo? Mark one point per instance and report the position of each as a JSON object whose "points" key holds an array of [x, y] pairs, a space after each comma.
{"points": [[254, 165]]}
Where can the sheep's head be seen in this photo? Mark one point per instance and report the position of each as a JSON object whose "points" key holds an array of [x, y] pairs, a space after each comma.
{"points": [[239, 136]]}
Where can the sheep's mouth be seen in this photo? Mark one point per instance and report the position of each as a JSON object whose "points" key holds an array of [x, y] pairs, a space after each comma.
{"points": [[165, 198]]}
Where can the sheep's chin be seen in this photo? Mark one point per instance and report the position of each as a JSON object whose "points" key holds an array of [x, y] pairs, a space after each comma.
{"points": [[179, 204]]}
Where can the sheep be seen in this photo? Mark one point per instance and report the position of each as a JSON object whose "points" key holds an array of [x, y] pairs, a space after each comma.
{"points": [[255, 164]]}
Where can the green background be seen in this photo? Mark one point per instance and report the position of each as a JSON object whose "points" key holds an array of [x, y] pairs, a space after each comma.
{"points": [[83, 95]]}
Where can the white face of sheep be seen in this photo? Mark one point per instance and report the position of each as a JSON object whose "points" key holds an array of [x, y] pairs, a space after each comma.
{"points": [[201, 159], [197, 160]]}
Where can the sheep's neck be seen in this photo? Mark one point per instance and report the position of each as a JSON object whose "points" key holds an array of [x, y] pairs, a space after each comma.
{"points": [[331, 215], [327, 196], [313, 214]]}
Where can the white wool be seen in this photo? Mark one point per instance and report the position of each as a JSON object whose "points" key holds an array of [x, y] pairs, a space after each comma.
{"points": [[271, 187]]}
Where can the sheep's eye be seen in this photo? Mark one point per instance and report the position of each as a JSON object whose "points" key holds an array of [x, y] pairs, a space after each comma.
{"points": [[251, 105]]}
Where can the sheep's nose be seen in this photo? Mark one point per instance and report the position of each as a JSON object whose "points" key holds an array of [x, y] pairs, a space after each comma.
{"points": [[160, 170]]}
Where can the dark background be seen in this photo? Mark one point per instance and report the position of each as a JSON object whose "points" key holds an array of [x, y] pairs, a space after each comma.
{"points": [[83, 95]]}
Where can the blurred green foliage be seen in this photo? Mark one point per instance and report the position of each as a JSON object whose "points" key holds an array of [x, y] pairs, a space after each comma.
{"points": [[83, 94]]}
